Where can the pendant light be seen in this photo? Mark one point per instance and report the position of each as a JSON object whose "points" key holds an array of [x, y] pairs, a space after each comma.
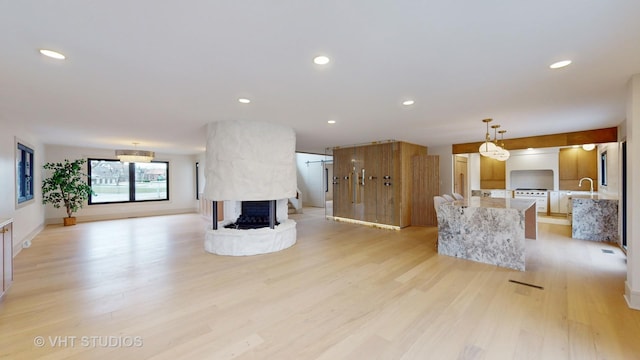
{"points": [[487, 148], [135, 155], [491, 148], [504, 153]]}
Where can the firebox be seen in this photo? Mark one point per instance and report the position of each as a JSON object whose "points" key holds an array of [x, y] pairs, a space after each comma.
{"points": [[256, 215]]}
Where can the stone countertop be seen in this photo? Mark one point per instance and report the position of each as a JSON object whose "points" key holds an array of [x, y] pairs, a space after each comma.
{"points": [[594, 196], [5, 221], [494, 203]]}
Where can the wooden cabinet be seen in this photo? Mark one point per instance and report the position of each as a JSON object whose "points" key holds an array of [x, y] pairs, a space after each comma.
{"points": [[6, 264], [342, 183], [372, 183], [575, 164], [492, 173]]}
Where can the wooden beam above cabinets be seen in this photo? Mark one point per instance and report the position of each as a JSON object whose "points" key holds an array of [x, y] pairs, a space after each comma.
{"points": [[597, 136]]}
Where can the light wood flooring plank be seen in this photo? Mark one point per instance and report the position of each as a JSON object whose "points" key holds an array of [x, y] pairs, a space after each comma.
{"points": [[344, 291]]}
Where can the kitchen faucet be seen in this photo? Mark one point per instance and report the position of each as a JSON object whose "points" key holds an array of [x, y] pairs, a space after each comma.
{"points": [[590, 181]]}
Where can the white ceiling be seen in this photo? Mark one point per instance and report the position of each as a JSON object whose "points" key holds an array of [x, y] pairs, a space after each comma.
{"points": [[157, 71]]}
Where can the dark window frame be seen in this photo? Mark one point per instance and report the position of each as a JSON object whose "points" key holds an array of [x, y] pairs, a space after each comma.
{"points": [[24, 173], [132, 183], [603, 168]]}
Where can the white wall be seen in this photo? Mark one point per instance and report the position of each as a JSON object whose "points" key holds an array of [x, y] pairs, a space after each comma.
{"points": [[446, 166], [474, 172], [310, 173], [632, 134], [28, 219], [182, 191]]}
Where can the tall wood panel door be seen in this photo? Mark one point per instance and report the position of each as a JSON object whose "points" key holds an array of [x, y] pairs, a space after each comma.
{"points": [[386, 190], [342, 183], [359, 199], [404, 184], [368, 181], [426, 185]]}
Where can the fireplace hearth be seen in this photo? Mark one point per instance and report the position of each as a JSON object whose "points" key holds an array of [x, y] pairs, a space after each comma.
{"points": [[256, 215]]}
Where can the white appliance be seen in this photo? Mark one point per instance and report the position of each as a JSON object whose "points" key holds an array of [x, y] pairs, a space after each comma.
{"points": [[539, 195]]}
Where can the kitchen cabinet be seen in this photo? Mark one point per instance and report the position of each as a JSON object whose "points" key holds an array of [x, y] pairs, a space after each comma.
{"points": [[553, 201], [373, 183], [6, 260], [342, 184], [560, 202], [564, 202], [492, 173], [575, 164]]}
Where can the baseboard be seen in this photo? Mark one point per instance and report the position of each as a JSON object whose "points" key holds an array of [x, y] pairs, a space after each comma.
{"points": [[632, 297], [118, 216], [26, 241]]}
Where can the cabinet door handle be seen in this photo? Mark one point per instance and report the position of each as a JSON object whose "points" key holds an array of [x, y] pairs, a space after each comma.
{"points": [[363, 177]]}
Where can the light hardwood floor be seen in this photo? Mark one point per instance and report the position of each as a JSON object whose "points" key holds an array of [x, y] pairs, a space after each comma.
{"points": [[145, 288]]}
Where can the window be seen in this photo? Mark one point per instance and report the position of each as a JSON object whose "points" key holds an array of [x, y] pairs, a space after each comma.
{"points": [[117, 182], [24, 173], [603, 168]]}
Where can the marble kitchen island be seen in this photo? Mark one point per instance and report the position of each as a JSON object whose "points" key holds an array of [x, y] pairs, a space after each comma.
{"points": [[594, 217], [487, 230]]}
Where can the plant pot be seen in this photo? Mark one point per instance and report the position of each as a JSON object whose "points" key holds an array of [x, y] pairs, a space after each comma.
{"points": [[69, 221]]}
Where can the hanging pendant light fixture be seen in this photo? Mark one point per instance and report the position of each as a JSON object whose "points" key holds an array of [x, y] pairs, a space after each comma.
{"points": [[498, 150], [135, 155], [491, 148], [504, 153], [487, 148]]}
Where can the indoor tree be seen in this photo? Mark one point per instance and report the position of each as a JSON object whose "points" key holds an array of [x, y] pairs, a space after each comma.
{"points": [[67, 186]]}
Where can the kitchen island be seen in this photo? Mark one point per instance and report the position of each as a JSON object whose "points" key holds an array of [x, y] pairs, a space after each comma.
{"points": [[594, 217], [487, 230]]}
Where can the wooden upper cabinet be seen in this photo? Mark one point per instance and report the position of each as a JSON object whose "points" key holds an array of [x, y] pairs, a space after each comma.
{"points": [[492, 173], [588, 165], [568, 164], [575, 164]]}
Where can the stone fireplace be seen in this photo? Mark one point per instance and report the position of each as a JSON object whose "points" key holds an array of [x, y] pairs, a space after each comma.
{"points": [[251, 168], [256, 215]]}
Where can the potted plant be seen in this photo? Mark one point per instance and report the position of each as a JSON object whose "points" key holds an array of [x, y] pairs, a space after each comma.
{"points": [[67, 186]]}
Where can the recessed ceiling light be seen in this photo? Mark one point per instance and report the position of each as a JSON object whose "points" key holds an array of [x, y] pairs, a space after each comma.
{"points": [[560, 64], [52, 54], [331, 121], [321, 60], [408, 102], [244, 100]]}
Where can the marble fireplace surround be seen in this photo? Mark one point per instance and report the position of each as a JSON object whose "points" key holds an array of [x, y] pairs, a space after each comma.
{"points": [[250, 161]]}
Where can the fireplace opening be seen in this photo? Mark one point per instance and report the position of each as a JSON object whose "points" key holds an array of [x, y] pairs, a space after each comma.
{"points": [[256, 215]]}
